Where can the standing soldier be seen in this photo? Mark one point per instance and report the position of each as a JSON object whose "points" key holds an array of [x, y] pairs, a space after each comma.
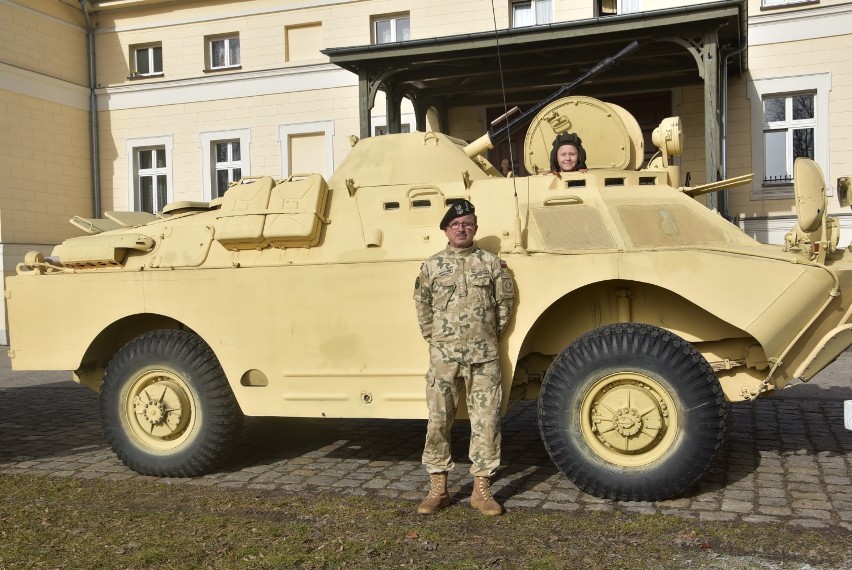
{"points": [[464, 297]]}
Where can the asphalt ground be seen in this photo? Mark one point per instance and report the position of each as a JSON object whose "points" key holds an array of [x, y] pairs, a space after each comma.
{"points": [[788, 458]]}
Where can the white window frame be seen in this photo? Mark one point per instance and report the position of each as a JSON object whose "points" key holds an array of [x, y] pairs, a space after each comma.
{"points": [[150, 49], [227, 39], [131, 148], [760, 89], [393, 21], [286, 131], [534, 10], [208, 150]]}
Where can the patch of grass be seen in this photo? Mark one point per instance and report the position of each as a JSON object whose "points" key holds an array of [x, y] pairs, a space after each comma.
{"points": [[48, 522]]}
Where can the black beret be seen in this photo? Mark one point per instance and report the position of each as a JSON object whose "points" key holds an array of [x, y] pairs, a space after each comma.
{"points": [[456, 210]]}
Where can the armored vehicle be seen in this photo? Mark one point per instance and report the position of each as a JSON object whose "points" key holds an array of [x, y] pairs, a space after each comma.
{"points": [[640, 312]]}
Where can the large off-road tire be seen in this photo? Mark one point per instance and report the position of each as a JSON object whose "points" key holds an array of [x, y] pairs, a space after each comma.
{"points": [[166, 406], [632, 412]]}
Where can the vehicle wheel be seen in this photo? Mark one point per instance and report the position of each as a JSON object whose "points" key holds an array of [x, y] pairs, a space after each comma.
{"points": [[632, 412], [166, 406]]}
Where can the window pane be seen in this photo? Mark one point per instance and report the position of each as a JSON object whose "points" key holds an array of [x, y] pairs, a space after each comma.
{"points": [[803, 143], [235, 151], [142, 61], [543, 12], [161, 158], [145, 157], [221, 181], [403, 32], [158, 60], [803, 107], [161, 192], [775, 157], [218, 53], [608, 7], [522, 14], [221, 152], [383, 31], [629, 6], [146, 194], [235, 51], [774, 109], [238, 173]]}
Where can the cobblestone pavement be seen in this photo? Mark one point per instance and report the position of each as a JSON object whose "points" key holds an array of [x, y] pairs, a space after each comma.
{"points": [[788, 461]]}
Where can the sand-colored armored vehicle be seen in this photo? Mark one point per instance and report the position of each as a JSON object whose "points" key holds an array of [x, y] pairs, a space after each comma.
{"points": [[639, 313]]}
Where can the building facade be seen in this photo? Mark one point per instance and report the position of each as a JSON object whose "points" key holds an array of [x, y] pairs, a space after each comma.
{"points": [[132, 104]]}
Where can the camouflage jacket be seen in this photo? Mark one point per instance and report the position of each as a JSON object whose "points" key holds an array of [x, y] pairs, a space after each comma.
{"points": [[464, 299]]}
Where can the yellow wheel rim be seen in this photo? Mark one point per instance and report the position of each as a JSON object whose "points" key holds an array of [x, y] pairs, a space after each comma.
{"points": [[160, 410], [629, 419]]}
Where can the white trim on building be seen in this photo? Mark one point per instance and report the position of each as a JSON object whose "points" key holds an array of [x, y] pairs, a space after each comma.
{"points": [[230, 86]]}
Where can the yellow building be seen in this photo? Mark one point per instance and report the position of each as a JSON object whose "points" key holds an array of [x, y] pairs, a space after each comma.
{"points": [[189, 95]]}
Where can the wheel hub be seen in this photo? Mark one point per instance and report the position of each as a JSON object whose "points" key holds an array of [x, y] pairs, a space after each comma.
{"points": [[160, 408], [627, 421], [627, 418], [154, 412]]}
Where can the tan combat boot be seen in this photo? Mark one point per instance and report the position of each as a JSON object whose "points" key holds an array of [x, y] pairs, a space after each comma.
{"points": [[438, 498], [482, 499]]}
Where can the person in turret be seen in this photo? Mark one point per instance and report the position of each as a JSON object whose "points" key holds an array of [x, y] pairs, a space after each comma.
{"points": [[568, 154], [464, 297]]}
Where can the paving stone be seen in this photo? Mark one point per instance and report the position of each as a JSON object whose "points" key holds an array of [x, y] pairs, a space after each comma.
{"points": [[794, 469]]}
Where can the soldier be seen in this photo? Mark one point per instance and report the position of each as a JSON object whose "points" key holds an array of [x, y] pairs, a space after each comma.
{"points": [[464, 297]]}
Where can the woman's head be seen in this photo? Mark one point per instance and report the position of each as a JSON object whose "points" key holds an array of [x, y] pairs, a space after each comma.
{"points": [[568, 154]]}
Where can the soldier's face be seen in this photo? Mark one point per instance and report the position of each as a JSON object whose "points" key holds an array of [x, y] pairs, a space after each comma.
{"points": [[461, 230]]}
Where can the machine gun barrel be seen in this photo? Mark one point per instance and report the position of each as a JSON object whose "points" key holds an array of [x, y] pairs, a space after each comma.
{"points": [[495, 136]]}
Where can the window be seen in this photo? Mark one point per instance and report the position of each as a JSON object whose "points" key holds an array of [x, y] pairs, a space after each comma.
{"points": [[225, 157], [615, 7], [789, 119], [224, 52], [532, 13], [147, 60], [228, 165], [388, 29], [151, 179], [789, 123], [149, 173]]}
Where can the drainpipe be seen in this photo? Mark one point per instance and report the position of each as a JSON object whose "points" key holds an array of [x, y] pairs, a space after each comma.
{"points": [[93, 114], [723, 195]]}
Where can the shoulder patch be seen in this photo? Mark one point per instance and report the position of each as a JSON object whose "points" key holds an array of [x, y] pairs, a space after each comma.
{"points": [[503, 264]]}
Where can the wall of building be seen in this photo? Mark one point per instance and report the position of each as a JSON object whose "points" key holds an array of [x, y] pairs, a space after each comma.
{"points": [[44, 129], [802, 49]]}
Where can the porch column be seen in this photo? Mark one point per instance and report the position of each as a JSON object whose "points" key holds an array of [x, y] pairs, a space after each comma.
{"points": [[393, 100]]}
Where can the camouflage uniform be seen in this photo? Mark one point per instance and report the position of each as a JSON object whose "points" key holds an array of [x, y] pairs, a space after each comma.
{"points": [[464, 298]]}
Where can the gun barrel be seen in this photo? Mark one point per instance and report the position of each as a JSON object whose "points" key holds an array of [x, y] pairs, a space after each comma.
{"points": [[499, 134]]}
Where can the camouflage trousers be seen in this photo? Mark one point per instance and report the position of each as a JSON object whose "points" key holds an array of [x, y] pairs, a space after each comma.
{"points": [[482, 383]]}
